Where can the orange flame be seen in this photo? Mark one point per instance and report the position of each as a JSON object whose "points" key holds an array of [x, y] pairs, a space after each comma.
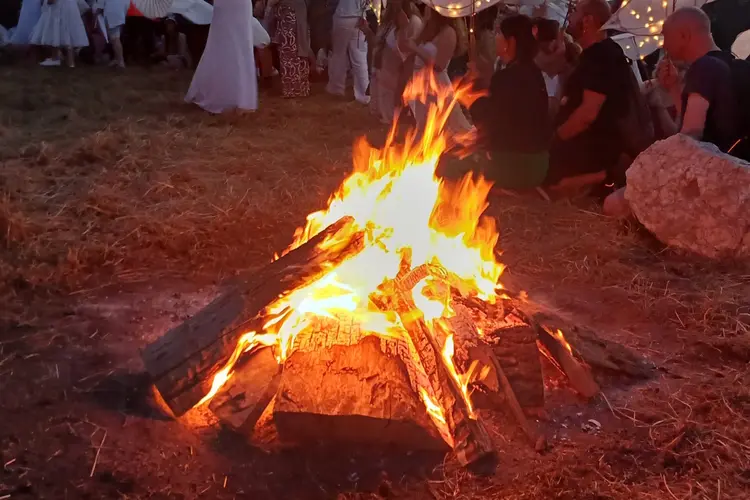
{"points": [[561, 338], [394, 195]]}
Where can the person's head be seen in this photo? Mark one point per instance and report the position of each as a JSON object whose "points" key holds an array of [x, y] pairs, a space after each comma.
{"points": [[516, 40], [547, 34], [687, 34], [394, 7], [587, 20]]}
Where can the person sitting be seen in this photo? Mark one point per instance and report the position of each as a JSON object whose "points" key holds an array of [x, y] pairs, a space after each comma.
{"points": [[588, 143], [512, 138], [173, 45], [706, 103], [558, 55]]}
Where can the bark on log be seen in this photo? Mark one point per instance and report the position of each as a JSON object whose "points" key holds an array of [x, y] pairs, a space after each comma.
{"points": [[242, 400], [351, 394], [182, 363], [517, 352], [579, 375], [472, 445]]}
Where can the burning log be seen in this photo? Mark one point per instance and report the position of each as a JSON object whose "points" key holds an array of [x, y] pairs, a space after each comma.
{"points": [[352, 393], [242, 400], [182, 363], [517, 352], [561, 353], [472, 445]]}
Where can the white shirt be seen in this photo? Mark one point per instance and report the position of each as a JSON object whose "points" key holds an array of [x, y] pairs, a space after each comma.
{"points": [[351, 8]]}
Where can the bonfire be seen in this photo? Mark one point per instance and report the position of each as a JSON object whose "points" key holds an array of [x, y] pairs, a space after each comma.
{"points": [[364, 328]]}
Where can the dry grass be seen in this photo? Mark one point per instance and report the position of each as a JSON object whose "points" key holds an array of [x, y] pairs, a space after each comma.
{"points": [[113, 177], [108, 178]]}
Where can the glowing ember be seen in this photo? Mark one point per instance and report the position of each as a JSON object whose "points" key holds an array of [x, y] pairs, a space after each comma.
{"points": [[561, 338], [394, 196]]}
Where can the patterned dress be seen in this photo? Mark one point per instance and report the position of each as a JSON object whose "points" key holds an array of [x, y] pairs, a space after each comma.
{"points": [[295, 70]]}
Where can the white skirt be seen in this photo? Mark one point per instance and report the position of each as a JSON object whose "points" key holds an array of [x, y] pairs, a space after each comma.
{"points": [[226, 78], [31, 10], [60, 25]]}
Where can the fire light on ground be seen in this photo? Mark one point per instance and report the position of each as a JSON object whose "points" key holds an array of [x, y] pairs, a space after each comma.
{"points": [[411, 219]]}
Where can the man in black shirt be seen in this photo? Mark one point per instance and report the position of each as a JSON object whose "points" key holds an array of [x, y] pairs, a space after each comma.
{"points": [[706, 105], [595, 97]]}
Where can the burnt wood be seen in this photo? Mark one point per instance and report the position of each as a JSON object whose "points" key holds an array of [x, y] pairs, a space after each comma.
{"points": [[182, 363]]}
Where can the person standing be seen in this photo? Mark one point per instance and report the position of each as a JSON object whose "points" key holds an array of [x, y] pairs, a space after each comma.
{"points": [[60, 26], [292, 36], [349, 50], [31, 11], [226, 77], [115, 12]]}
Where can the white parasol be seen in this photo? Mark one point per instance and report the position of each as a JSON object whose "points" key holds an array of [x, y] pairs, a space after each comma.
{"points": [[459, 8], [195, 11], [153, 9], [644, 19]]}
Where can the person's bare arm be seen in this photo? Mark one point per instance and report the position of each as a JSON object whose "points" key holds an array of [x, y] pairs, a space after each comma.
{"points": [[694, 119], [583, 116], [445, 43]]}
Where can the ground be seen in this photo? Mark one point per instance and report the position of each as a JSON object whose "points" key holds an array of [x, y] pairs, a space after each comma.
{"points": [[121, 209]]}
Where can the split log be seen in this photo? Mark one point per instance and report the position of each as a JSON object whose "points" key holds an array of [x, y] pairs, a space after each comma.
{"points": [[494, 387], [351, 393], [241, 401], [560, 352], [183, 362], [472, 445], [517, 352]]}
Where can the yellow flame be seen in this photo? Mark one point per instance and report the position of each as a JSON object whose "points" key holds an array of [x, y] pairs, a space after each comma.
{"points": [[394, 197]]}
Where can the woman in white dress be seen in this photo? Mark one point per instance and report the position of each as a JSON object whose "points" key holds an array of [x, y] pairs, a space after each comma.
{"points": [[61, 27], [31, 11], [442, 38], [226, 77]]}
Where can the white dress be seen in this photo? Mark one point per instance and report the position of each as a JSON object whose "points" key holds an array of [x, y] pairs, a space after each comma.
{"points": [[226, 77], [457, 122], [60, 25], [31, 10]]}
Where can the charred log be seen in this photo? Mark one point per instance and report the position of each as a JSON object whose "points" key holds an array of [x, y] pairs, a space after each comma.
{"points": [[183, 362]]}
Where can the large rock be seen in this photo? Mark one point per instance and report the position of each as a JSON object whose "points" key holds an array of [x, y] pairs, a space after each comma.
{"points": [[692, 196]]}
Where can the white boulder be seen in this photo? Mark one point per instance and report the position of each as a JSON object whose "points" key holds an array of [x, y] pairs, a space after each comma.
{"points": [[692, 196]]}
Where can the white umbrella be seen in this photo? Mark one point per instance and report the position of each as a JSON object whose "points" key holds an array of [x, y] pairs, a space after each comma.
{"points": [[459, 8], [195, 11], [153, 9], [741, 46], [645, 18]]}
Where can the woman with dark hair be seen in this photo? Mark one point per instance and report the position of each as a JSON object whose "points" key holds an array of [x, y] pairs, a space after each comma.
{"points": [[400, 22], [512, 121], [442, 39]]}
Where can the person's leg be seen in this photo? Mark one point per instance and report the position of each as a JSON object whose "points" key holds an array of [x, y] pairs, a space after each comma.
{"points": [[360, 68], [337, 64], [70, 56], [115, 40]]}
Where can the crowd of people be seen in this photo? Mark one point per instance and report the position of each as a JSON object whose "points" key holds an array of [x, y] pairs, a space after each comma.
{"points": [[563, 107]]}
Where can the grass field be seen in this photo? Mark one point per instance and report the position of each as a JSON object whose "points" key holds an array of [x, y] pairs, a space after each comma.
{"points": [[111, 187]]}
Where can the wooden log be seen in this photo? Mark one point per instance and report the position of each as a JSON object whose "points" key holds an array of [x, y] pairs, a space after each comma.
{"points": [[579, 375], [517, 352], [494, 387], [241, 401], [351, 393], [182, 363], [472, 445]]}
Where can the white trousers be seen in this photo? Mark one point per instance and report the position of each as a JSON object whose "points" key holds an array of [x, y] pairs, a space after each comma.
{"points": [[349, 50]]}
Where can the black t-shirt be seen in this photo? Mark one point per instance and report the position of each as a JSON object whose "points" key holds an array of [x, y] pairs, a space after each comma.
{"points": [[602, 68], [710, 77], [514, 116]]}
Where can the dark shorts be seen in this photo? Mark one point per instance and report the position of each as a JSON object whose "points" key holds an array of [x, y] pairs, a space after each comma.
{"points": [[576, 157]]}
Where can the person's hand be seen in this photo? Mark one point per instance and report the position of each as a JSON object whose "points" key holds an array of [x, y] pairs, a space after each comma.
{"points": [[667, 75]]}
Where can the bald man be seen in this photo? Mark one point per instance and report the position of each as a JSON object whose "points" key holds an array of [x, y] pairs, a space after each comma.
{"points": [[588, 139], [706, 105]]}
